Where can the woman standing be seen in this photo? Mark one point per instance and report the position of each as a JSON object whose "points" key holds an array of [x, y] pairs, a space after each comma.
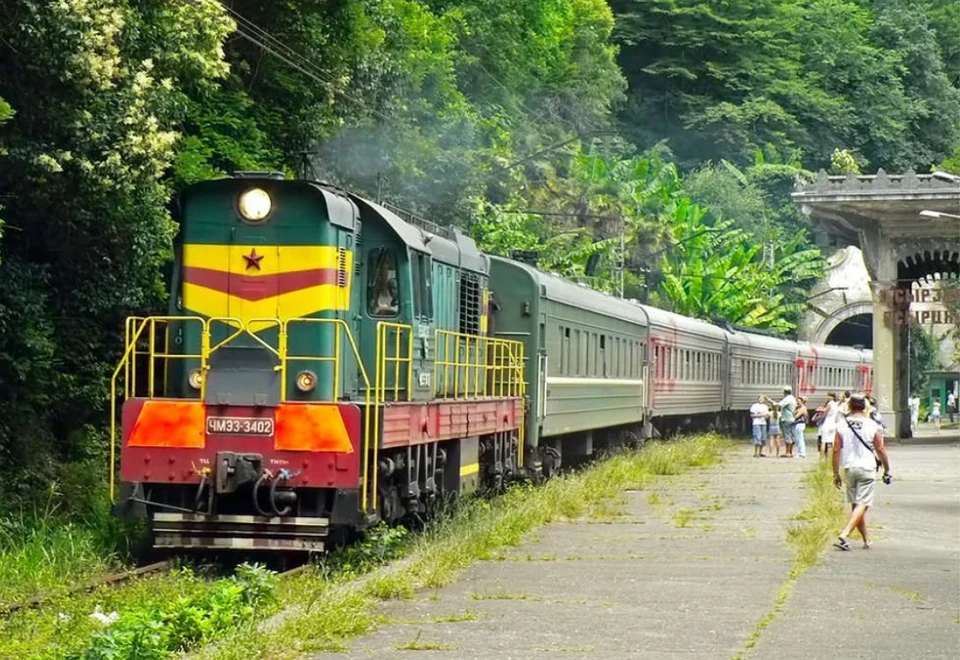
{"points": [[800, 424]]}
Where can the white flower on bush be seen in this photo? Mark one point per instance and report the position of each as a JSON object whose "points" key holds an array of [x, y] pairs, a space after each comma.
{"points": [[105, 619]]}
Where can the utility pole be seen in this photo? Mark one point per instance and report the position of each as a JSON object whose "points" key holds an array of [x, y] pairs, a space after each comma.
{"points": [[622, 259]]}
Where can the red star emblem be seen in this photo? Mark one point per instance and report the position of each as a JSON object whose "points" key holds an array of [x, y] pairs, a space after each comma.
{"points": [[253, 259]]}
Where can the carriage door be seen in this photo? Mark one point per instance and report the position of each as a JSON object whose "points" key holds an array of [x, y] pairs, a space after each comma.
{"points": [[421, 270], [543, 365]]}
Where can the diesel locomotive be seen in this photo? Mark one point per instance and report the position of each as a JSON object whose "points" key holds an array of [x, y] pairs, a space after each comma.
{"points": [[326, 364]]}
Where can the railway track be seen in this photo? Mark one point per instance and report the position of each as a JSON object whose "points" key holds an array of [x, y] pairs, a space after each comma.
{"points": [[111, 579]]}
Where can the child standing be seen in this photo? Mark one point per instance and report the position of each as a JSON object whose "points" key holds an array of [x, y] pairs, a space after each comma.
{"points": [[773, 432]]}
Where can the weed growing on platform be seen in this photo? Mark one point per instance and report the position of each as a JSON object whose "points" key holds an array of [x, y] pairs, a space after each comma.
{"points": [[416, 645], [817, 523], [327, 606]]}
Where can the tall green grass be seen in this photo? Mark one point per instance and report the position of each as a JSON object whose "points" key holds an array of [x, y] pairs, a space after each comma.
{"points": [[42, 552]]}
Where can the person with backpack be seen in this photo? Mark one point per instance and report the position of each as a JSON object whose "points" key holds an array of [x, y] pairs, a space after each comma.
{"points": [[858, 449]]}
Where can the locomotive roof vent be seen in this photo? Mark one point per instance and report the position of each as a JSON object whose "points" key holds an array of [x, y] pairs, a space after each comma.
{"points": [[279, 176]]}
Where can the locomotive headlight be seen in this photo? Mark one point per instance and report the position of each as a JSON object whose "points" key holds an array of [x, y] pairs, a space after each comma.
{"points": [[195, 379], [306, 381], [255, 204]]}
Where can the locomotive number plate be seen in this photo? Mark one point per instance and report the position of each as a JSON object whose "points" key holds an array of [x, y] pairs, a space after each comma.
{"points": [[240, 426]]}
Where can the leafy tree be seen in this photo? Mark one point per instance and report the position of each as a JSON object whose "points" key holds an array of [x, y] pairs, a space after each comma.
{"points": [[717, 272], [923, 358], [903, 27], [96, 87], [723, 80], [952, 163], [842, 162], [6, 112]]}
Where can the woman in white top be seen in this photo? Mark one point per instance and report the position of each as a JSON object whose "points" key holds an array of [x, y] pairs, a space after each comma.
{"points": [[828, 426]]}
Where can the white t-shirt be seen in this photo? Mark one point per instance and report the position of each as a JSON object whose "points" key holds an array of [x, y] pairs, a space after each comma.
{"points": [[788, 407], [829, 424], [854, 454], [759, 412]]}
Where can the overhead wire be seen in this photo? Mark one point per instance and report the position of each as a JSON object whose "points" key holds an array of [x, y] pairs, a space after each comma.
{"points": [[258, 36]]}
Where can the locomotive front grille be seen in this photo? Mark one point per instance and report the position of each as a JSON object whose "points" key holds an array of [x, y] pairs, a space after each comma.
{"points": [[192, 530]]}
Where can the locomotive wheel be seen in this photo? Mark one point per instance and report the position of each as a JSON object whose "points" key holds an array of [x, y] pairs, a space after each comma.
{"points": [[551, 462], [632, 440]]}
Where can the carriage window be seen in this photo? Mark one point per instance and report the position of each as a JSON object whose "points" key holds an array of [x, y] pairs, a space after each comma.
{"points": [[383, 293], [578, 351], [423, 285], [565, 352], [603, 355], [589, 361]]}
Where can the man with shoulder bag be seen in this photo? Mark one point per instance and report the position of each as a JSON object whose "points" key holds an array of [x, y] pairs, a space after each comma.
{"points": [[858, 449]]}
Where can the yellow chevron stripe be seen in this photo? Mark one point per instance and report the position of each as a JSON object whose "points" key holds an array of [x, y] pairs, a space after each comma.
{"points": [[276, 258], [296, 304], [467, 470]]}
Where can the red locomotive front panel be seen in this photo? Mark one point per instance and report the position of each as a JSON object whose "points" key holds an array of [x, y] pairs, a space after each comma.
{"points": [[175, 441]]}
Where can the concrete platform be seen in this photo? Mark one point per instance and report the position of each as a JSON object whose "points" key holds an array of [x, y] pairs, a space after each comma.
{"points": [[692, 566]]}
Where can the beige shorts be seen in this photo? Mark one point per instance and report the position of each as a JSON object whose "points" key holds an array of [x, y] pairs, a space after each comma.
{"points": [[861, 483]]}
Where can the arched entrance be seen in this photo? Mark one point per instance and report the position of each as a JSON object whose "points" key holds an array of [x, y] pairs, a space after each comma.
{"points": [[904, 225], [856, 330]]}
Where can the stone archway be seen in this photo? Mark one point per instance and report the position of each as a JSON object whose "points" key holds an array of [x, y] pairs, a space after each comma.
{"points": [[889, 218], [837, 317]]}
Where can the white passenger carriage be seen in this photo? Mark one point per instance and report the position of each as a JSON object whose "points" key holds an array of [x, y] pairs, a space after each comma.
{"points": [[686, 365], [759, 365]]}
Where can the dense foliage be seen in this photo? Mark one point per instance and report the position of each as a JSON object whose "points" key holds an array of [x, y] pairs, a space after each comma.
{"points": [[603, 136]]}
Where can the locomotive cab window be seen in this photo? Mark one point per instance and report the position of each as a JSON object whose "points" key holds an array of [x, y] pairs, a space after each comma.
{"points": [[422, 289], [383, 292]]}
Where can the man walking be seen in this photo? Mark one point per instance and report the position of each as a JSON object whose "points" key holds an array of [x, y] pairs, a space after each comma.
{"points": [[951, 405], [858, 447]]}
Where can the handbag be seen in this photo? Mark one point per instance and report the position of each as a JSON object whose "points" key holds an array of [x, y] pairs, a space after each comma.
{"points": [[871, 449]]}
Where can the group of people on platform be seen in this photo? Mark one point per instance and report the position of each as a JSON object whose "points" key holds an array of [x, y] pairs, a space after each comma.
{"points": [[779, 426], [853, 423], [773, 420], [935, 414]]}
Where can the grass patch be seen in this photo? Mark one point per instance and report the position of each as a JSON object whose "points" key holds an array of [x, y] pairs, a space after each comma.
{"points": [[40, 554], [682, 517], [909, 594], [416, 645], [469, 615], [815, 525], [327, 607], [63, 628], [503, 596]]}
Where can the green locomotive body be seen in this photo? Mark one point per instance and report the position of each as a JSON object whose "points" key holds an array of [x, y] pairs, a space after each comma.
{"points": [[324, 365]]}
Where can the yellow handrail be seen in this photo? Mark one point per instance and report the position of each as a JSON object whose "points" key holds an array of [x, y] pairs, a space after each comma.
{"points": [[380, 386], [133, 330], [370, 446], [489, 366]]}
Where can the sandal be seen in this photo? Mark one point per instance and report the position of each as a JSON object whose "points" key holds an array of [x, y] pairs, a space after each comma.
{"points": [[842, 543]]}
